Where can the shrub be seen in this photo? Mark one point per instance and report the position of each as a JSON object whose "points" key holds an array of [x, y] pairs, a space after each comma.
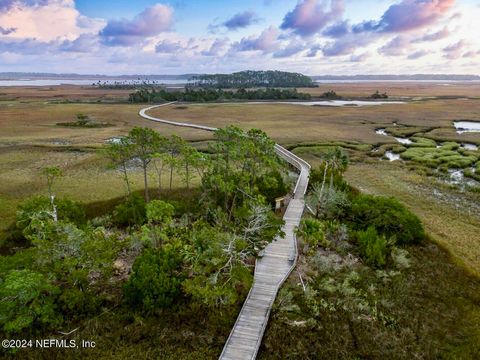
{"points": [[388, 216], [67, 210], [131, 212], [373, 247], [313, 232], [272, 186], [159, 211], [156, 281], [27, 299]]}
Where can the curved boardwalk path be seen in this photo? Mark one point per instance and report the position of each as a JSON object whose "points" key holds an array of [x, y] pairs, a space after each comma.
{"points": [[271, 270]]}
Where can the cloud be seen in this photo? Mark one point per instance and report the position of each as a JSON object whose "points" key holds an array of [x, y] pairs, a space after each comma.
{"points": [[217, 47], [6, 31], [418, 54], [408, 15], [395, 47], [313, 51], [471, 54], [294, 47], [45, 20], [441, 34], [152, 21], [85, 43], [347, 44], [454, 51], [359, 58], [266, 42], [241, 20], [337, 30], [310, 16], [168, 47]]}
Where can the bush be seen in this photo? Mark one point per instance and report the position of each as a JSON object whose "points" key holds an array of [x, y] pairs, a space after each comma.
{"points": [[387, 216], [159, 211], [27, 300], [131, 212], [272, 186], [373, 247], [67, 210], [313, 232], [156, 281]]}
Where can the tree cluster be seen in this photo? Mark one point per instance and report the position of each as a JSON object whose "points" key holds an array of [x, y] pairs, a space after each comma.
{"points": [[200, 256], [252, 79], [146, 95]]}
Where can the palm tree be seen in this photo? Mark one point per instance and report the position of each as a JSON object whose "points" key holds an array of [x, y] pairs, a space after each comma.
{"points": [[338, 161]]}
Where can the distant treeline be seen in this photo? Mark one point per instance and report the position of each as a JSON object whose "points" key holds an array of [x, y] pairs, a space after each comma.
{"points": [[128, 84], [206, 95], [252, 79]]}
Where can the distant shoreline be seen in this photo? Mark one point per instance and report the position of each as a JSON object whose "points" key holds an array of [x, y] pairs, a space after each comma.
{"points": [[170, 82]]}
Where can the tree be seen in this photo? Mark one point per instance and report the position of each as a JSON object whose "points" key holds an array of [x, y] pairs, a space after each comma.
{"points": [[239, 166], [145, 143], [173, 149], [217, 264], [338, 161], [27, 300], [120, 154], [51, 174], [160, 159], [191, 158]]}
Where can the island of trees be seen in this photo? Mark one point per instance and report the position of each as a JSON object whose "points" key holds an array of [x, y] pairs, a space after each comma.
{"points": [[252, 79]]}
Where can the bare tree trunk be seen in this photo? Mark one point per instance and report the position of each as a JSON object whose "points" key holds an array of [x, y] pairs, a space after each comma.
{"points": [[323, 180], [159, 174], [54, 208], [125, 177], [145, 181]]}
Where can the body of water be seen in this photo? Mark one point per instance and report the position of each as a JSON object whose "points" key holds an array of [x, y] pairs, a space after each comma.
{"points": [[330, 103], [471, 147], [85, 82], [403, 141], [391, 156], [467, 126]]}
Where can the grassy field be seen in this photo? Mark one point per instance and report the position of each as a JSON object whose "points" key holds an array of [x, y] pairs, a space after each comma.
{"points": [[297, 123], [440, 293], [31, 140]]}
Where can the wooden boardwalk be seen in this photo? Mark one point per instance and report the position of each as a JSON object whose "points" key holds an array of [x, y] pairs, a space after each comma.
{"points": [[271, 270]]}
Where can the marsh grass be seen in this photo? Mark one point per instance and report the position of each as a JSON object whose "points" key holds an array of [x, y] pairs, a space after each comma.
{"points": [[429, 310]]}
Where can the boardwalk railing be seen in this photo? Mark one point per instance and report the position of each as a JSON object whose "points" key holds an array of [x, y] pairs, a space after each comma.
{"points": [[271, 270]]}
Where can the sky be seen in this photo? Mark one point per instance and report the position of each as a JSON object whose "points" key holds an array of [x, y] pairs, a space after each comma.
{"points": [[315, 37]]}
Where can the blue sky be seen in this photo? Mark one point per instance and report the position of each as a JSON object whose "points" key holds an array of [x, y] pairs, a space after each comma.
{"points": [[178, 36]]}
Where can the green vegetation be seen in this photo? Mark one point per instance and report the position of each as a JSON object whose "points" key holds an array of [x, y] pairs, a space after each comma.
{"points": [[373, 247], [365, 279], [84, 122], [393, 301], [330, 95], [445, 157], [377, 95], [387, 216], [252, 79], [72, 270], [209, 95], [157, 279]]}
